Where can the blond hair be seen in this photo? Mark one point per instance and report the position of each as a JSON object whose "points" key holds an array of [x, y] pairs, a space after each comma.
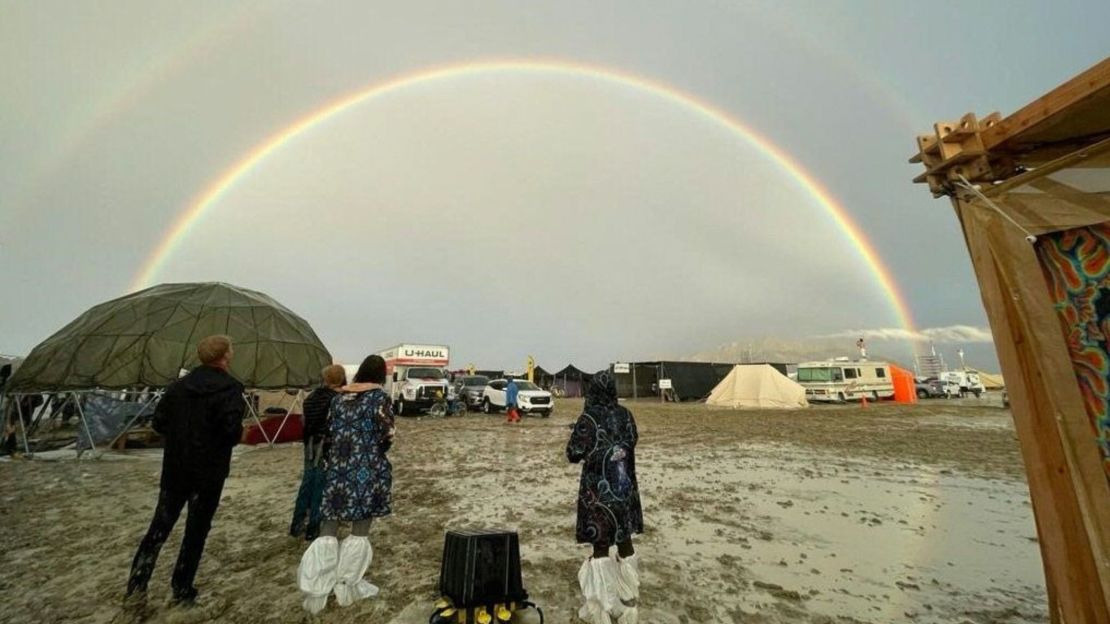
{"points": [[334, 375], [213, 348]]}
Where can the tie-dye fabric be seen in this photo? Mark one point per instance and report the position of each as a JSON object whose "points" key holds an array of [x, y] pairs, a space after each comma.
{"points": [[604, 440], [1076, 264]]}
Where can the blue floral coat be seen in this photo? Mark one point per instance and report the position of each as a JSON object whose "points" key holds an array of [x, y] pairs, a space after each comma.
{"points": [[358, 478]]}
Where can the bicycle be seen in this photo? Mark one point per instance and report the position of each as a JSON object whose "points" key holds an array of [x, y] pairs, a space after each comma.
{"points": [[444, 407]]}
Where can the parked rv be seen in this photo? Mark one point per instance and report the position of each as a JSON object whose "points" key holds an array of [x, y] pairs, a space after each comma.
{"points": [[845, 380], [415, 373], [968, 382]]}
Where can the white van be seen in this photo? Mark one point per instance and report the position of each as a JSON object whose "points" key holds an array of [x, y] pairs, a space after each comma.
{"points": [[844, 380]]}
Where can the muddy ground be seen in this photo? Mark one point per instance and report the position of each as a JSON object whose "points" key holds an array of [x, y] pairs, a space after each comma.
{"points": [[834, 514]]}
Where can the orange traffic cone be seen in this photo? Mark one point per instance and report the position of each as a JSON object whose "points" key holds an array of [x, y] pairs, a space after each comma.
{"points": [[864, 404]]}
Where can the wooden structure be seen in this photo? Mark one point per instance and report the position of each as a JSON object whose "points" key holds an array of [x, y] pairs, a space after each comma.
{"points": [[1032, 192]]}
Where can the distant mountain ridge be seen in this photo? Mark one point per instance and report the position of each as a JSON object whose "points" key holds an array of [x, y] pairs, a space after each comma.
{"points": [[787, 351]]}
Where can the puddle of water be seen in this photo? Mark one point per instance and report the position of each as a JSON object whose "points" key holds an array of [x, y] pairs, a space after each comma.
{"points": [[957, 421], [869, 541]]}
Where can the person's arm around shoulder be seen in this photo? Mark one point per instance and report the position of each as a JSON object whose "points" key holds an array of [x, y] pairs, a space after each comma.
{"points": [[582, 439]]}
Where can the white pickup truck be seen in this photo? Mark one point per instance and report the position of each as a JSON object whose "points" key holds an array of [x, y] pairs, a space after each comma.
{"points": [[530, 398]]}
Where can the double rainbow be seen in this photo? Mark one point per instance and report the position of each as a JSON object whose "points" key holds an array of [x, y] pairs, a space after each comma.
{"points": [[211, 195]]}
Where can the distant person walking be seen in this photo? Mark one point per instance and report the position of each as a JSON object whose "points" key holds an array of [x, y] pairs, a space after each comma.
{"points": [[512, 391], [306, 510], [604, 441], [358, 484], [200, 416]]}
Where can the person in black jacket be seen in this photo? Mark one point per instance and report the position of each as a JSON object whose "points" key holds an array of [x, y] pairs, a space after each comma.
{"points": [[200, 416], [316, 407]]}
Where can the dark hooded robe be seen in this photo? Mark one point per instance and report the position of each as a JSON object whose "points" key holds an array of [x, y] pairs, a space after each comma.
{"points": [[604, 441]]}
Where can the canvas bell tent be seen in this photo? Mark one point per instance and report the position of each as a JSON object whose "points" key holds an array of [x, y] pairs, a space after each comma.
{"points": [[757, 386], [1032, 194], [139, 343], [991, 381]]}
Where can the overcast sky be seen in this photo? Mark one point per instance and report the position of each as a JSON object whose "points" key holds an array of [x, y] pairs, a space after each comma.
{"points": [[509, 214]]}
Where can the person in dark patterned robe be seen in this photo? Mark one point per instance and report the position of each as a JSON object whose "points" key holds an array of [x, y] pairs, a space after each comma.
{"points": [[609, 513], [358, 483]]}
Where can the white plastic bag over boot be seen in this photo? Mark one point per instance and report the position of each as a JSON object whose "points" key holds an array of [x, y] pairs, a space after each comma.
{"points": [[628, 588], [355, 555], [316, 574], [598, 581]]}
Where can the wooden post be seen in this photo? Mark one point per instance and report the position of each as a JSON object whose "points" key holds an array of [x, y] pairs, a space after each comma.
{"points": [[1070, 507], [1017, 242]]}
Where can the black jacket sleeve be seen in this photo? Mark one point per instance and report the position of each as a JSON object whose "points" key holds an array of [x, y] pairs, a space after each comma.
{"points": [[229, 415], [161, 420]]}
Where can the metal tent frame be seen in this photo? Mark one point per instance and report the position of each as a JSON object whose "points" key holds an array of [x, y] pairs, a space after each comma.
{"points": [[37, 416]]}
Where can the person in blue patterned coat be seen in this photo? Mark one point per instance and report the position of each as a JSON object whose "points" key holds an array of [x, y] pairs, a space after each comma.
{"points": [[358, 483], [609, 513]]}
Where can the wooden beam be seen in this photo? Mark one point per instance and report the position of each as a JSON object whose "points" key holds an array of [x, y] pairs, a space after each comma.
{"points": [[1076, 91]]}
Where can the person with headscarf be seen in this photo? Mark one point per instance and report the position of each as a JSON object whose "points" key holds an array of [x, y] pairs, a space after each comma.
{"points": [[358, 483], [604, 442], [306, 509]]}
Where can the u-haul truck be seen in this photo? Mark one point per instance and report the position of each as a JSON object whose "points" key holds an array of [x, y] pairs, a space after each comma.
{"points": [[414, 376]]}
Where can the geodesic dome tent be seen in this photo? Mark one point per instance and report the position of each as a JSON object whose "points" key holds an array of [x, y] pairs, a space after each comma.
{"points": [[139, 343], [144, 340]]}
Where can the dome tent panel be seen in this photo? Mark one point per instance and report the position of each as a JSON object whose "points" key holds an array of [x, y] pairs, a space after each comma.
{"points": [[146, 338]]}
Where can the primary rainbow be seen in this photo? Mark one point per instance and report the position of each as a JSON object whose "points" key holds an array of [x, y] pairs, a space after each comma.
{"points": [[200, 205]]}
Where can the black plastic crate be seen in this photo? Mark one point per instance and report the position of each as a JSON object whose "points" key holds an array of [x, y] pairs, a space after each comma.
{"points": [[481, 567]]}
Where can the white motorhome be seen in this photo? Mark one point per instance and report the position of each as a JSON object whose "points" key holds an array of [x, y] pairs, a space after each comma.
{"points": [[968, 382], [844, 380], [415, 376]]}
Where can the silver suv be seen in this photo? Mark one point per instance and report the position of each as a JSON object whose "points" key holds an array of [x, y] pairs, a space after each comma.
{"points": [[469, 389]]}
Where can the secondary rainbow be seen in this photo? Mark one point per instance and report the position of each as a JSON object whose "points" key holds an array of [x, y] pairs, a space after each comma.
{"points": [[208, 198]]}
